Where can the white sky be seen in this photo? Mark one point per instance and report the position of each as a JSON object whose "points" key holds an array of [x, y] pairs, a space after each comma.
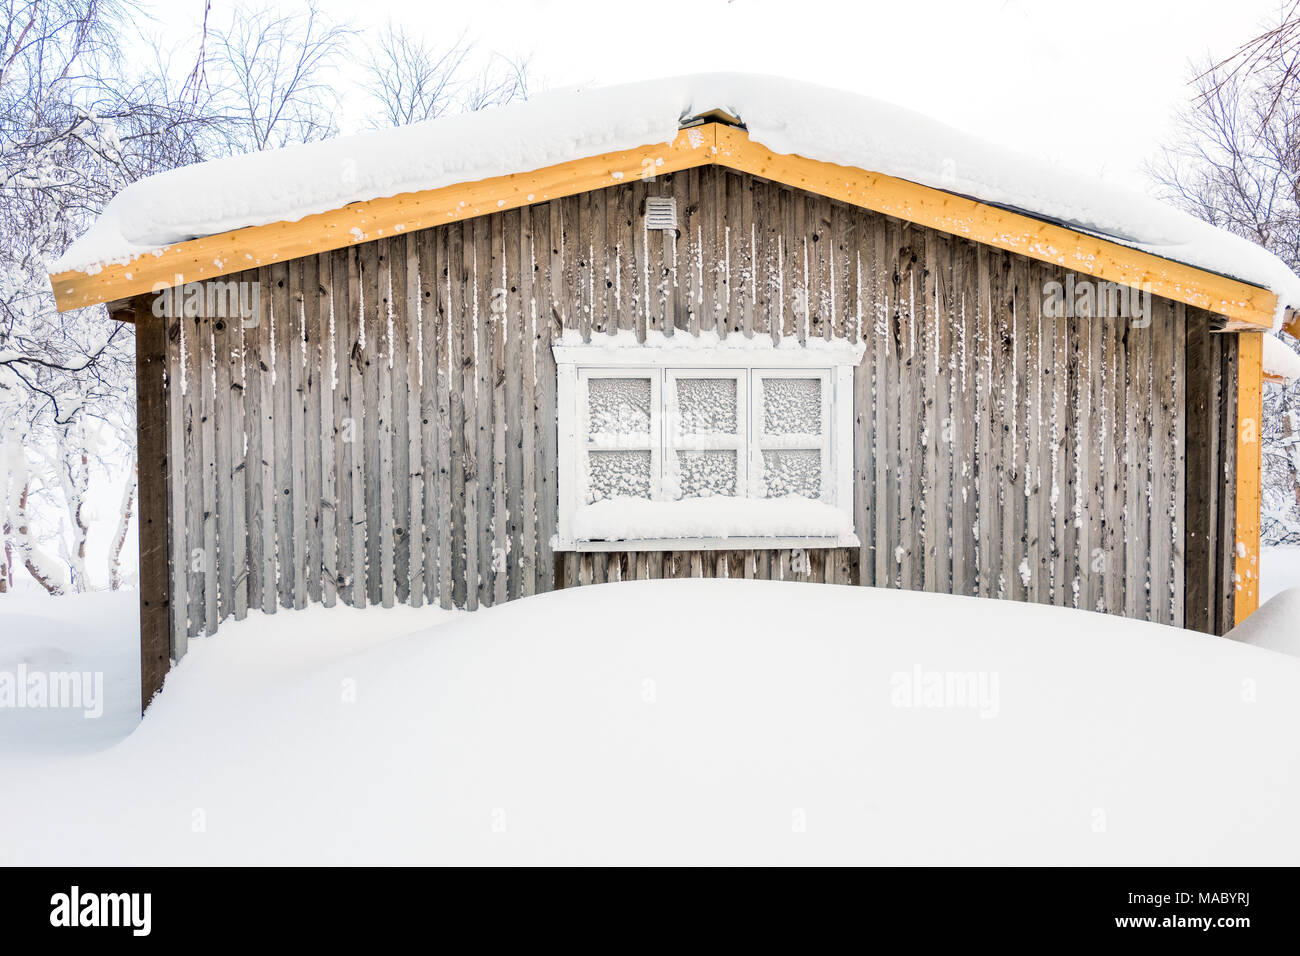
{"points": [[1091, 85]]}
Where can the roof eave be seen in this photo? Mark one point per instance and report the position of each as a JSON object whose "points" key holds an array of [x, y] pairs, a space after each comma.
{"points": [[1244, 306]]}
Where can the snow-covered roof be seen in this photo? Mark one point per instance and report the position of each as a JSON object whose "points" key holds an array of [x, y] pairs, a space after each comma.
{"points": [[1280, 360], [786, 116]]}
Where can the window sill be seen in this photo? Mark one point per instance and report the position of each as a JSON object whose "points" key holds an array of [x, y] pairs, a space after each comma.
{"points": [[713, 524], [708, 544]]}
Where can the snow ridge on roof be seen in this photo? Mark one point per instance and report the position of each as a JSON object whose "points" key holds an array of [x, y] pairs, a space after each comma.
{"points": [[786, 116]]}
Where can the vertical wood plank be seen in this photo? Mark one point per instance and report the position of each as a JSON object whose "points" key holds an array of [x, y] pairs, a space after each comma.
{"points": [[400, 326], [296, 383], [529, 401], [155, 475], [327, 382], [1163, 375], [280, 430], [964, 390], [381, 369], [415, 458], [447, 328], [502, 303], [178, 553], [1179, 401], [195, 554], [222, 465], [514, 386], [237, 438], [363, 412], [205, 383], [485, 400], [461, 388], [314, 358], [343, 429]]}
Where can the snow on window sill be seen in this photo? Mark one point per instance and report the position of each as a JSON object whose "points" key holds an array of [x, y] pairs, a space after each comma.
{"points": [[703, 523], [705, 349]]}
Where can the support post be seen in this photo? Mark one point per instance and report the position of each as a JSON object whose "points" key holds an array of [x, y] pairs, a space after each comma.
{"points": [[155, 478], [1250, 410]]}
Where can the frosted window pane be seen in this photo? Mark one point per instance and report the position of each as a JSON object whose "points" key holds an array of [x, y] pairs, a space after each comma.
{"points": [[619, 406], [613, 474], [792, 406], [707, 406], [793, 473], [705, 473]]}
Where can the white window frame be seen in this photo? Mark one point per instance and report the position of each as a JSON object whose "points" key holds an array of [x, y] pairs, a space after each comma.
{"points": [[578, 364], [654, 440], [675, 442], [823, 442]]}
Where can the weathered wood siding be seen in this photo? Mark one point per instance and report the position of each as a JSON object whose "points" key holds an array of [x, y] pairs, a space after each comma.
{"points": [[1211, 440], [385, 432]]}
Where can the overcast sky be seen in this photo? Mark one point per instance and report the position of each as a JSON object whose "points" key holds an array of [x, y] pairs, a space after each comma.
{"points": [[1089, 85]]}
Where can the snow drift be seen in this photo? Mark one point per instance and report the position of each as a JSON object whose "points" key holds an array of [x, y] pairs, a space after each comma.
{"points": [[1275, 626], [785, 115], [707, 721]]}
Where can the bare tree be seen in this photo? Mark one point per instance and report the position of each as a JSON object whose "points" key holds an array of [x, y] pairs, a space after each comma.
{"points": [[1235, 162], [1274, 53], [125, 514], [273, 72], [501, 81], [75, 128], [412, 80], [83, 115]]}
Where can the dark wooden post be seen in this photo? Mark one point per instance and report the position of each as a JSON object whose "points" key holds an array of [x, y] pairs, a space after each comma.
{"points": [[1203, 484], [155, 478]]}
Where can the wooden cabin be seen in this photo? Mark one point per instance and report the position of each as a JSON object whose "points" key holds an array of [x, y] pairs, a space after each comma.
{"points": [[456, 395]]}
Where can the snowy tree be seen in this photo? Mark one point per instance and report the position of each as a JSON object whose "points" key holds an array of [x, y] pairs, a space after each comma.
{"points": [[1235, 162], [83, 115], [76, 127]]}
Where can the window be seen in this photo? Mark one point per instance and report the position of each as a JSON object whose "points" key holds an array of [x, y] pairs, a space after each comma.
{"points": [[687, 442]]}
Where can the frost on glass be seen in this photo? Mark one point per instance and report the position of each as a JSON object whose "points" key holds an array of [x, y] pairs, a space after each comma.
{"points": [[792, 406], [707, 406], [792, 473], [701, 474], [614, 474], [619, 406]]}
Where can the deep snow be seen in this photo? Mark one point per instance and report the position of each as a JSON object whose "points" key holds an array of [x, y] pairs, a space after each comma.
{"points": [[689, 721], [787, 116], [1279, 569], [1275, 626]]}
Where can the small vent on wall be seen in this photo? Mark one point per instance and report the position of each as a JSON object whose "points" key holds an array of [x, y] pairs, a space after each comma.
{"points": [[661, 213]]}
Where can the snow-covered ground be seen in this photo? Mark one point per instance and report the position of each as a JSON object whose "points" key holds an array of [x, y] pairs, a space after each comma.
{"points": [[1276, 625], [688, 721], [98, 634], [1279, 569]]}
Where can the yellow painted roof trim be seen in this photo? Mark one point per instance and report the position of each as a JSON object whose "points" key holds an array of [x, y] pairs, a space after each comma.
{"points": [[1245, 306]]}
